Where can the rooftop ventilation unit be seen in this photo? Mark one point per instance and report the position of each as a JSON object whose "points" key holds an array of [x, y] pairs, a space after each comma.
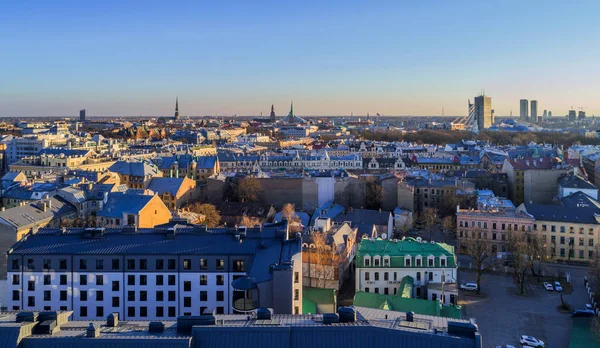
{"points": [[45, 327], [264, 314], [347, 314], [156, 327], [331, 318]]}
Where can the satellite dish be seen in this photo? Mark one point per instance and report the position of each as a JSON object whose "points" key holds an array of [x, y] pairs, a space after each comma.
{"points": [[384, 236]]}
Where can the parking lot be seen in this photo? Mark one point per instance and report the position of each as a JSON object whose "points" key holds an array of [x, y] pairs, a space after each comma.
{"points": [[503, 316]]}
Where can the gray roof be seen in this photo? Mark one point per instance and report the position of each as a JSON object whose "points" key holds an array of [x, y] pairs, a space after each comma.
{"points": [[161, 185], [31, 214], [559, 213], [267, 246], [372, 328], [124, 202], [133, 168], [10, 176], [576, 181]]}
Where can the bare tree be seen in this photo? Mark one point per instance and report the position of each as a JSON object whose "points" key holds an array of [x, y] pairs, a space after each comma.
{"points": [[525, 248], [288, 211], [249, 221], [248, 189], [324, 261], [373, 193], [429, 218], [480, 252], [212, 215], [449, 224], [79, 222]]}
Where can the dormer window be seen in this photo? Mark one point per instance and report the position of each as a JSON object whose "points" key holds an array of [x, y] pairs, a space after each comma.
{"points": [[419, 261], [367, 260], [407, 261], [443, 261], [430, 261], [386, 261], [377, 261]]}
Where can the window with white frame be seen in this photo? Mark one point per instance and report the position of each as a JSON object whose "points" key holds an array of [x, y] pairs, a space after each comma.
{"points": [[430, 261], [407, 261], [419, 261], [377, 261], [367, 261], [443, 261], [386, 261]]}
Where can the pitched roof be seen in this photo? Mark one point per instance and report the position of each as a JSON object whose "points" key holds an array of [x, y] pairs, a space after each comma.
{"points": [[577, 182], [403, 304], [558, 213], [133, 168], [31, 214], [124, 202], [161, 185], [397, 250]]}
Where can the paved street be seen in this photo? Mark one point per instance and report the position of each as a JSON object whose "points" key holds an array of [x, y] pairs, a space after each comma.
{"points": [[503, 316]]}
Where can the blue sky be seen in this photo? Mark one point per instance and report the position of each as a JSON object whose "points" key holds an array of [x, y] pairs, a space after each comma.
{"points": [[331, 57]]}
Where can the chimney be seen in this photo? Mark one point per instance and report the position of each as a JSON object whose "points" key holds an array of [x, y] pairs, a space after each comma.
{"points": [[49, 204]]}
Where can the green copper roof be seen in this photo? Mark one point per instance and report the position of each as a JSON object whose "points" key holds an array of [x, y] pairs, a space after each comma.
{"points": [[311, 297], [401, 304], [398, 250], [406, 287]]}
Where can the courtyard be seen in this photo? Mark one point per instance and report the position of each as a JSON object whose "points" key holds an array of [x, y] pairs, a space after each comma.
{"points": [[502, 315]]}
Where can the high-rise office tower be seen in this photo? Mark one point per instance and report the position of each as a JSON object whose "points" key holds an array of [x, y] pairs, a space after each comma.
{"points": [[572, 115], [524, 109], [549, 114], [581, 115], [545, 115], [533, 115], [82, 115], [483, 112]]}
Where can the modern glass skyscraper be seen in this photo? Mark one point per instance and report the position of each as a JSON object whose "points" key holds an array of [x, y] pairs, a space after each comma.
{"points": [[534, 114], [483, 112], [524, 109]]}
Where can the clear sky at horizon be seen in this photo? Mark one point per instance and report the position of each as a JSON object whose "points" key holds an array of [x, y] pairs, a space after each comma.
{"points": [[400, 57]]}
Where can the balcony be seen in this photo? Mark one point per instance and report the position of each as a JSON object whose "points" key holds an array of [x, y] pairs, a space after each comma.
{"points": [[245, 305]]}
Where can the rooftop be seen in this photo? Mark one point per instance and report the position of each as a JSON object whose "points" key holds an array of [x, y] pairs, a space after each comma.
{"points": [[373, 327]]}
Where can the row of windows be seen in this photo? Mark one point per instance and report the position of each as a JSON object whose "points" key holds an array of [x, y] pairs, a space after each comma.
{"points": [[131, 311], [407, 261], [515, 227], [131, 280], [571, 241], [581, 253], [503, 227], [238, 265], [386, 276], [131, 296]]}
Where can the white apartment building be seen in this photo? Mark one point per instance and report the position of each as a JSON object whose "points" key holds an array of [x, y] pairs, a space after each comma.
{"points": [[156, 274]]}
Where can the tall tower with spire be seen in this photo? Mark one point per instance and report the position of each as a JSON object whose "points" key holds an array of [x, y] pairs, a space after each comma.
{"points": [[290, 117], [176, 117], [272, 116]]}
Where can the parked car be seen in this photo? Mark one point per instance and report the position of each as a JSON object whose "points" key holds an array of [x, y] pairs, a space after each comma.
{"points": [[468, 286], [583, 313], [589, 307], [548, 286], [557, 286], [531, 341]]}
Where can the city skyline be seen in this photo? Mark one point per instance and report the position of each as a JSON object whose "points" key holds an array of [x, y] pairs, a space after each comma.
{"points": [[238, 58]]}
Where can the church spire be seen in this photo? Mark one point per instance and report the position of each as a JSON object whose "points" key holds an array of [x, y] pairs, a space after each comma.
{"points": [[272, 116], [176, 109], [290, 118]]}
